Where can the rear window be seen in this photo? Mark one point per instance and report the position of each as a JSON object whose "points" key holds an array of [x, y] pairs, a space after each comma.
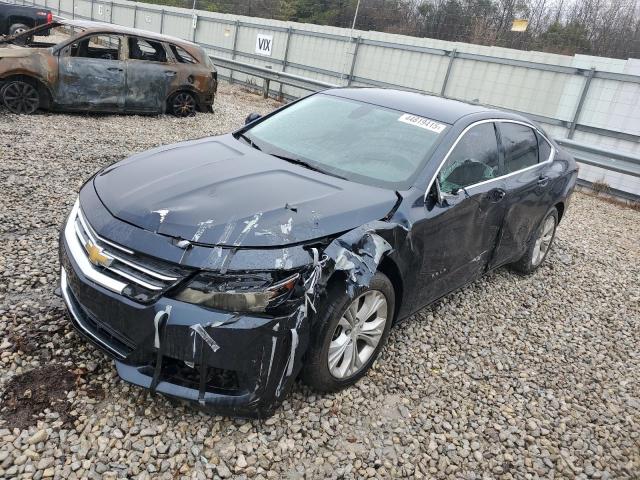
{"points": [[544, 148], [520, 146], [182, 56]]}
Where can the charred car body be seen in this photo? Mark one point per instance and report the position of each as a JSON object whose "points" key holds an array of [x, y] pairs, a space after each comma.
{"points": [[75, 65], [217, 270]]}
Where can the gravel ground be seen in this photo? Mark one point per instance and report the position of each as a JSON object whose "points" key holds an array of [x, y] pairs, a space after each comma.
{"points": [[511, 377]]}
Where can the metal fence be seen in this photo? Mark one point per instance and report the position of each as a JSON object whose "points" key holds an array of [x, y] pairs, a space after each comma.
{"points": [[592, 100]]}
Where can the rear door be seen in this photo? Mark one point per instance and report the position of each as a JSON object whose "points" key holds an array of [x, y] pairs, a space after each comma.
{"points": [[149, 74], [91, 74], [527, 160], [458, 234]]}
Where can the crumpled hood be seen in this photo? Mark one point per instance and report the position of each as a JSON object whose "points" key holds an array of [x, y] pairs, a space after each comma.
{"points": [[218, 191]]}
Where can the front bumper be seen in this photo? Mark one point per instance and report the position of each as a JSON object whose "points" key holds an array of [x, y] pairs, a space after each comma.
{"points": [[246, 371]]}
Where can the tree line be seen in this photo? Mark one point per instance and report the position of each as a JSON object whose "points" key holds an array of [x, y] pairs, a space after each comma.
{"points": [[609, 28]]}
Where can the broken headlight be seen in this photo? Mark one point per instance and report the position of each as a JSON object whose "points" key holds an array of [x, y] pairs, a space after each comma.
{"points": [[238, 293]]}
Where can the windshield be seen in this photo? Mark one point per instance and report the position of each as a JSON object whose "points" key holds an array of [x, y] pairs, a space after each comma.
{"points": [[358, 141]]}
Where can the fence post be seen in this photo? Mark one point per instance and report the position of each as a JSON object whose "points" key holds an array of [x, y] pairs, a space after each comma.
{"points": [[135, 14], [161, 20], [195, 27], [111, 13], [233, 51], [265, 85], [91, 16], [353, 60], [583, 96], [446, 75], [73, 8], [286, 57]]}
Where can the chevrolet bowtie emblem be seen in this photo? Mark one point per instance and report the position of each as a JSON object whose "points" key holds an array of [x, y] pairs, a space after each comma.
{"points": [[96, 255]]}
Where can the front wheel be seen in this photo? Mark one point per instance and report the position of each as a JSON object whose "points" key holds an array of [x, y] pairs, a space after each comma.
{"points": [[20, 97], [539, 246], [351, 333]]}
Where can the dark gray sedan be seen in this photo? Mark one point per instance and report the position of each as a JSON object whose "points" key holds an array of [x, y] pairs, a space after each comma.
{"points": [[218, 270]]}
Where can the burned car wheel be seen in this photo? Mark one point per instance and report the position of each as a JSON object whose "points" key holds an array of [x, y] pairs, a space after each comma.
{"points": [[352, 332], [539, 246], [21, 97], [183, 104]]}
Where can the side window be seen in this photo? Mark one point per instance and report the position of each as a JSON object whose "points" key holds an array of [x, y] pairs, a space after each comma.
{"points": [[544, 148], [181, 55], [473, 160], [106, 47], [520, 146], [141, 49]]}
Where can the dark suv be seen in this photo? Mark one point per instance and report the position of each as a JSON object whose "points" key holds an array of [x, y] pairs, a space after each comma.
{"points": [[16, 19]]}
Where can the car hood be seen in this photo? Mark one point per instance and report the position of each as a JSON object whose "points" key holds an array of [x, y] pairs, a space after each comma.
{"points": [[219, 191], [15, 51]]}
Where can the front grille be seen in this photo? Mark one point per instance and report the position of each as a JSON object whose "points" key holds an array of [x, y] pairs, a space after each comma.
{"points": [[116, 267], [116, 343], [178, 372]]}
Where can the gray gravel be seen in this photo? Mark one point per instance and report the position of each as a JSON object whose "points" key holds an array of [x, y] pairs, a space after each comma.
{"points": [[511, 377]]}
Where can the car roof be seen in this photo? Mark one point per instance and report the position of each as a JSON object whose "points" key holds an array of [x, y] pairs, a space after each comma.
{"points": [[422, 104], [90, 26]]}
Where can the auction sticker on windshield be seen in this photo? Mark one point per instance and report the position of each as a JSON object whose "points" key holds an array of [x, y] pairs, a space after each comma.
{"points": [[422, 123]]}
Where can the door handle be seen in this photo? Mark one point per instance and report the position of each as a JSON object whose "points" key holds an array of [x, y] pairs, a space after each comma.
{"points": [[170, 73], [496, 195], [543, 181], [115, 69]]}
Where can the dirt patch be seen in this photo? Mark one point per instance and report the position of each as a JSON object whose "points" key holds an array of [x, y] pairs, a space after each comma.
{"points": [[29, 394]]}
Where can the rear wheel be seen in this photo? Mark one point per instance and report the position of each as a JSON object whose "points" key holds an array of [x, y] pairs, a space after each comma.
{"points": [[20, 97], [351, 334], [182, 104], [18, 28], [539, 245]]}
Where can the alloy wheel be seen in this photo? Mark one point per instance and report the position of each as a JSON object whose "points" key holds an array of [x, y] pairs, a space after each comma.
{"points": [[183, 105], [543, 242], [21, 97], [357, 334]]}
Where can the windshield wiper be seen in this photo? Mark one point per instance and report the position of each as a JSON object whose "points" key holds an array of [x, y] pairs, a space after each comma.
{"points": [[302, 163], [248, 140]]}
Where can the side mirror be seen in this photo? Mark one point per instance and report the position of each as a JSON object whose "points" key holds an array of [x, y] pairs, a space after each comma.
{"points": [[252, 117]]}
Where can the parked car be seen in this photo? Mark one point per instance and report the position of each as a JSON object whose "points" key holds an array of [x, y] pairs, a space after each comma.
{"points": [[90, 66], [215, 270], [16, 19]]}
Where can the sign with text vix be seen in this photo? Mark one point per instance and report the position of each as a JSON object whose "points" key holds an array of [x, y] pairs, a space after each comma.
{"points": [[264, 44]]}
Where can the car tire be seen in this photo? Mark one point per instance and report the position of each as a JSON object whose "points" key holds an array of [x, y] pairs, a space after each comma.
{"points": [[332, 322], [17, 28], [20, 96], [182, 104], [539, 244]]}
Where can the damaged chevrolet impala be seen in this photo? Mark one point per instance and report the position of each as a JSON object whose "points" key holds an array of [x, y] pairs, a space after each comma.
{"points": [[221, 269], [77, 65]]}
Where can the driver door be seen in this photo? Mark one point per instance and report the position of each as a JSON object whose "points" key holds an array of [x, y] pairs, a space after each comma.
{"points": [[91, 74], [464, 214]]}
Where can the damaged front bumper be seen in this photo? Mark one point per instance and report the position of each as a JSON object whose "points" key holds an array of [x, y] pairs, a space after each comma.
{"points": [[240, 365]]}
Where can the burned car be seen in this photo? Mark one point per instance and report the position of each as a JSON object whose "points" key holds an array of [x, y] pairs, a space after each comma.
{"points": [[217, 270], [76, 65]]}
